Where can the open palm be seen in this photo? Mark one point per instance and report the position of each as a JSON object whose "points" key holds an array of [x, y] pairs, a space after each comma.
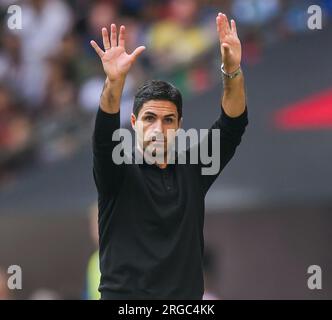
{"points": [[230, 44], [116, 61]]}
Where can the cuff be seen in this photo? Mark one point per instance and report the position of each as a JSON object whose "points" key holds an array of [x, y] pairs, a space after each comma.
{"points": [[241, 120], [107, 123]]}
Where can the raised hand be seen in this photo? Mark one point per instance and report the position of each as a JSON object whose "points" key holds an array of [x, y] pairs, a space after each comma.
{"points": [[116, 61], [230, 44]]}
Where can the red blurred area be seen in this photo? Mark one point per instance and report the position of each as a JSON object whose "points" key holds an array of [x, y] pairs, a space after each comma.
{"points": [[313, 112]]}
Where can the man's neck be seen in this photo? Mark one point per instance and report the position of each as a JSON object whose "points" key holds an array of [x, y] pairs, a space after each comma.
{"points": [[159, 165]]}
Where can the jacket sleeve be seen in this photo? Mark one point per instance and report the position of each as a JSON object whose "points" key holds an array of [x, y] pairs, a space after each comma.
{"points": [[224, 141], [107, 174]]}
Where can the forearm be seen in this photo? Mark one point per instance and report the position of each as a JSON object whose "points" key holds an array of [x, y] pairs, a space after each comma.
{"points": [[234, 100], [111, 96], [107, 174]]}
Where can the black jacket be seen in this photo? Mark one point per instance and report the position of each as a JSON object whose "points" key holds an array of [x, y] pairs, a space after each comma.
{"points": [[151, 219]]}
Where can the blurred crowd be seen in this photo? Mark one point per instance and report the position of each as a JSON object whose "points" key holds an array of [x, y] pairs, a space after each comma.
{"points": [[51, 79]]}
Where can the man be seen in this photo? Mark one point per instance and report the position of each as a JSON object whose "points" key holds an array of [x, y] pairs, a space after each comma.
{"points": [[4, 289], [151, 216], [93, 271]]}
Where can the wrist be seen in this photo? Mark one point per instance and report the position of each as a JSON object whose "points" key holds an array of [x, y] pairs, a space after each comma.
{"points": [[230, 72], [111, 94], [114, 80], [230, 68]]}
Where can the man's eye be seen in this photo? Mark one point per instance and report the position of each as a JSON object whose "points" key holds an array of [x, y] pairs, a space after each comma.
{"points": [[168, 120], [149, 118]]}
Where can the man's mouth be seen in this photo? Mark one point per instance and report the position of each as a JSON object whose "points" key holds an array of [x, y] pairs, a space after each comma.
{"points": [[158, 143], [155, 140]]}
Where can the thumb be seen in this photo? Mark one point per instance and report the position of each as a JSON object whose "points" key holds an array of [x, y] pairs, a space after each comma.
{"points": [[137, 52], [226, 47], [226, 50]]}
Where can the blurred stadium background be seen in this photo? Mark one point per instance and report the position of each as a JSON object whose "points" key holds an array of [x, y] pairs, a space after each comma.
{"points": [[269, 215]]}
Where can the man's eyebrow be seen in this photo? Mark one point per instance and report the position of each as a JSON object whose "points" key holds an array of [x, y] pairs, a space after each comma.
{"points": [[153, 114], [149, 113]]}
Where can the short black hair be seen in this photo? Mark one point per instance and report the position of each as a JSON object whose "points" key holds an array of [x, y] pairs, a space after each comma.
{"points": [[157, 90]]}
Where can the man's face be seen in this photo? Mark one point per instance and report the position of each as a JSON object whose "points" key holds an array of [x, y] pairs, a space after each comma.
{"points": [[155, 119]]}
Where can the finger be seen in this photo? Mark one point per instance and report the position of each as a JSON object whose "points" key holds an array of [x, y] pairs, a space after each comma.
{"points": [[137, 52], [113, 35], [226, 24], [218, 23], [233, 25], [220, 27], [97, 48], [106, 39], [122, 36]]}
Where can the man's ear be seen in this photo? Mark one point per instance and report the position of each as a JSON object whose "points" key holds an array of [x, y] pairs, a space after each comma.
{"points": [[133, 121]]}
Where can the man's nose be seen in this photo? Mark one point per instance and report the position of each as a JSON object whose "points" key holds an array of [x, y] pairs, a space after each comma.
{"points": [[158, 129]]}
